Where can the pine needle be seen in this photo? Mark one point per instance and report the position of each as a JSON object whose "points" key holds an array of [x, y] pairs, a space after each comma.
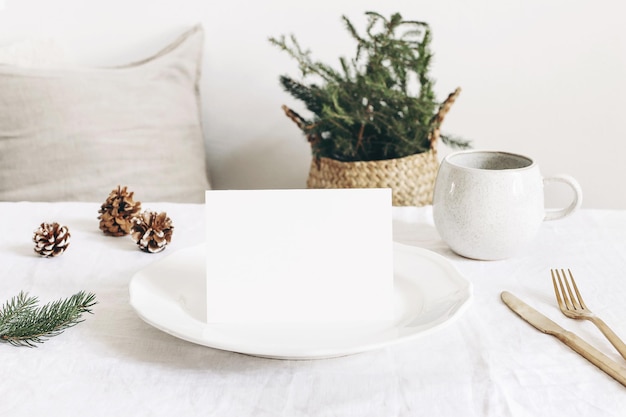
{"points": [[22, 323]]}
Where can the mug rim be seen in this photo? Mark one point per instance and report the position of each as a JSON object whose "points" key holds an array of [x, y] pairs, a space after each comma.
{"points": [[448, 158]]}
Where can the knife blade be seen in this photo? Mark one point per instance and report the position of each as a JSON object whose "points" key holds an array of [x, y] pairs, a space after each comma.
{"points": [[545, 325]]}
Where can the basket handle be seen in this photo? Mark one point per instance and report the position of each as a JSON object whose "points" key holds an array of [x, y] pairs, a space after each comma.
{"points": [[295, 117], [301, 123], [437, 119]]}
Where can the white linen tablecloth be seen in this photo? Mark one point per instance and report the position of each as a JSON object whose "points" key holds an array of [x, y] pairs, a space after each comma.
{"points": [[487, 363]]}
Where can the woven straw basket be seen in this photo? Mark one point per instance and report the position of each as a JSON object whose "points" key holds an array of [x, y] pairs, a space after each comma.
{"points": [[411, 178]]}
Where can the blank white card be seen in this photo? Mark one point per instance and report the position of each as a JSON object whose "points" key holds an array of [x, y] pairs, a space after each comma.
{"points": [[291, 256]]}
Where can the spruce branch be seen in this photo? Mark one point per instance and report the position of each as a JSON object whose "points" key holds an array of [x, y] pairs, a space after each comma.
{"points": [[369, 109], [455, 142], [22, 323]]}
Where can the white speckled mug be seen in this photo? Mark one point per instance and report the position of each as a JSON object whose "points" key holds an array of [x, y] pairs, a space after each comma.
{"points": [[488, 205]]}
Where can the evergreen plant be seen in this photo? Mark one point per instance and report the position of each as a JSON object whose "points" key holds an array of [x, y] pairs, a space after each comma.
{"points": [[380, 104]]}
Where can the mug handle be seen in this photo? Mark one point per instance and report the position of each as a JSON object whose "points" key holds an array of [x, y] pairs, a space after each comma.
{"points": [[574, 205]]}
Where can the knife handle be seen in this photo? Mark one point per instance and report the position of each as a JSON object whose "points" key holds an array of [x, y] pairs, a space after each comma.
{"points": [[593, 355]]}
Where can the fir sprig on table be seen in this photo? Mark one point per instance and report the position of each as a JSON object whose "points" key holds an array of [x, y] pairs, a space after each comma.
{"points": [[23, 323]]}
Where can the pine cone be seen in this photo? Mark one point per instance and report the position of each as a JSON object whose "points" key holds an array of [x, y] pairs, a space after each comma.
{"points": [[151, 231], [51, 239], [117, 212]]}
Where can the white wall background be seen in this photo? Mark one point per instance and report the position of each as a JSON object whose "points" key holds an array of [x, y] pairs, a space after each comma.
{"points": [[546, 78]]}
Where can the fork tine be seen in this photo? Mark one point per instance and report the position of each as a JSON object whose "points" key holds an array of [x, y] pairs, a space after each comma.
{"points": [[566, 298], [579, 297], [557, 293], [573, 300]]}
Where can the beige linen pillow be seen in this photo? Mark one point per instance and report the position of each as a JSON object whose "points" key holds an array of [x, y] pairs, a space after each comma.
{"points": [[75, 134]]}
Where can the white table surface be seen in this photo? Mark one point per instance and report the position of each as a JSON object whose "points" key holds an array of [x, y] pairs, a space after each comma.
{"points": [[487, 363]]}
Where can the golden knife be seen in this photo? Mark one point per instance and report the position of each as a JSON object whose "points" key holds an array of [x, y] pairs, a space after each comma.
{"points": [[545, 325]]}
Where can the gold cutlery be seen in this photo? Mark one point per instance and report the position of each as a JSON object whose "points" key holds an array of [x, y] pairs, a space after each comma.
{"points": [[572, 305], [545, 325]]}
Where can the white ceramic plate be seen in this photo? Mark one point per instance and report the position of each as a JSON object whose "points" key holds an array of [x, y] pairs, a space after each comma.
{"points": [[171, 296]]}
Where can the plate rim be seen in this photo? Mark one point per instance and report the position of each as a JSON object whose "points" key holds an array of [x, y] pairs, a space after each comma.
{"points": [[465, 288]]}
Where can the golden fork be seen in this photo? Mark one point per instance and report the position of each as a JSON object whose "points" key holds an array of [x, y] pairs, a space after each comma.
{"points": [[573, 306]]}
